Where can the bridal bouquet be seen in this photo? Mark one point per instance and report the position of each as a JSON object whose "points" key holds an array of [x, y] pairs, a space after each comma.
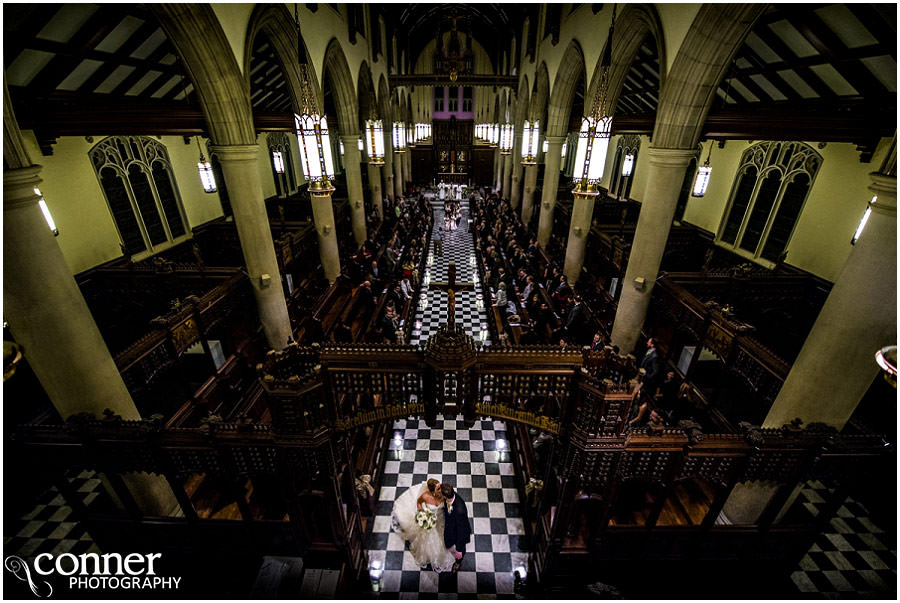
{"points": [[425, 519]]}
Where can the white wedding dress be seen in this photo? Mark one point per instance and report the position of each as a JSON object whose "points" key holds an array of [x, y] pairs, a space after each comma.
{"points": [[426, 546]]}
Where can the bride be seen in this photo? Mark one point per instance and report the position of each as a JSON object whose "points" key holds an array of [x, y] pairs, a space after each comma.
{"points": [[426, 545]]}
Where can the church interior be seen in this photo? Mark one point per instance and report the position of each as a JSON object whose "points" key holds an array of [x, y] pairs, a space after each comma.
{"points": [[623, 275]]}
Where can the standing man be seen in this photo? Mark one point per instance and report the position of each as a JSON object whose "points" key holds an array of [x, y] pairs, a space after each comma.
{"points": [[457, 531]]}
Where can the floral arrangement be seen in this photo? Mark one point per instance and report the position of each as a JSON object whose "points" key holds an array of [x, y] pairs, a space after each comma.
{"points": [[426, 519]]}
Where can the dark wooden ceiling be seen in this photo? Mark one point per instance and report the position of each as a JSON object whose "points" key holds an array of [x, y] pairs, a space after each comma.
{"points": [[807, 71]]}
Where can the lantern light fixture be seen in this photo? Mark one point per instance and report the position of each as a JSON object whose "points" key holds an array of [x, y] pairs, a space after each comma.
{"points": [[312, 131], [399, 137], [46, 211], [701, 179], [545, 146], [562, 152], [359, 144], [205, 170], [506, 139], [374, 134], [278, 162], [593, 137], [531, 133]]}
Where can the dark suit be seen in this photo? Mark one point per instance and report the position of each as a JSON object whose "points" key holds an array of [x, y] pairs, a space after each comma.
{"points": [[650, 363], [457, 531]]}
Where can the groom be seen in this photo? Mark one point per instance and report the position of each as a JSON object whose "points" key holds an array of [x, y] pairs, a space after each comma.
{"points": [[457, 531]]}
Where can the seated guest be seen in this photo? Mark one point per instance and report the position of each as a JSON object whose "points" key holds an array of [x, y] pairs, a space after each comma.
{"points": [[406, 286], [597, 342], [395, 296]]}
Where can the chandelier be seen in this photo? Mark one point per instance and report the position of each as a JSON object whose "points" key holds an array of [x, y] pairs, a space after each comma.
{"points": [[593, 138], [399, 137], [701, 179], [374, 135], [531, 133], [506, 139]]}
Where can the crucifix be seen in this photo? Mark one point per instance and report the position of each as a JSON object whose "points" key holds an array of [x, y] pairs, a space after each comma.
{"points": [[451, 287]]}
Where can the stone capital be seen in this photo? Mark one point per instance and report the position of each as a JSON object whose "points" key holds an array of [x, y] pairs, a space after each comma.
{"points": [[19, 185], [348, 138], [885, 187], [671, 158], [235, 152], [555, 140]]}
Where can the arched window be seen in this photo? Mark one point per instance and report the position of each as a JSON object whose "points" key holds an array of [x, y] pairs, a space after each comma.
{"points": [[136, 176], [284, 180], [772, 183]]}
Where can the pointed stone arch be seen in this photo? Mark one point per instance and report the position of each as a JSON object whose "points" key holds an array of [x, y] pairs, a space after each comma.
{"points": [[345, 102], [539, 94], [207, 57], [712, 41], [368, 102], [384, 99], [275, 21], [571, 69], [635, 22]]}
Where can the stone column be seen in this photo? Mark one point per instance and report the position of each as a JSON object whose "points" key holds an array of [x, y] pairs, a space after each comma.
{"points": [[664, 181], [388, 172], [375, 193], [47, 313], [836, 365], [552, 159], [398, 174], [50, 319], [323, 218], [515, 195], [354, 187], [407, 168], [507, 176], [241, 171], [579, 229], [528, 195]]}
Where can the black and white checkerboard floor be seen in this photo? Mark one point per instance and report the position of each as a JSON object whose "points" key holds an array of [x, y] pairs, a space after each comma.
{"points": [[477, 462], [854, 559], [431, 311], [50, 528]]}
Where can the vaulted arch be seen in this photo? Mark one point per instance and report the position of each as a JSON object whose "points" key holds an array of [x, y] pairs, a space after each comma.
{"points": [[571, 70], [338, 72]]}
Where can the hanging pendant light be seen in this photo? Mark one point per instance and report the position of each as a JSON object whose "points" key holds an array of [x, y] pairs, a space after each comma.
{"points": [[374, 134], [278, 162], [593, 138], [205, 170], [701, 179], [531, 133], [312, 131], [506, 139], [628, 164], [399, 137]]}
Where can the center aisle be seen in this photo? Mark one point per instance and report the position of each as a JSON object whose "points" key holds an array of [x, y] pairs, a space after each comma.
{"points": [[475, 461], [431, 311]]}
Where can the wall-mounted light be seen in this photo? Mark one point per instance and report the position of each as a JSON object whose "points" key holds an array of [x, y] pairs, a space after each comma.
{"points": [[278, 162], [506, 139], [862, 222], [205, 170], [359, 144], [46, 211], [399, 137], [562, 153]]}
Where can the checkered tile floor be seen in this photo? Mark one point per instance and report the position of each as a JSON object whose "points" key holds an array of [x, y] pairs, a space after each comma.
{"points": [[854, 559], [50, 527], [431, 311], [477, 463]]}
